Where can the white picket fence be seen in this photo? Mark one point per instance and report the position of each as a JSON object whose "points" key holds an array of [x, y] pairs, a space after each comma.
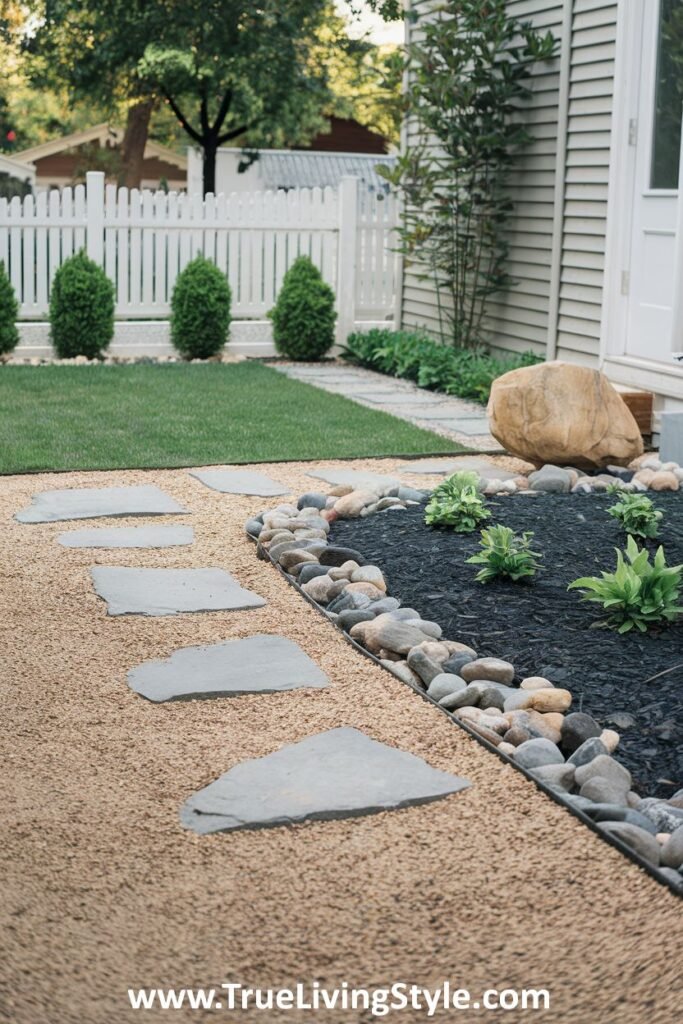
{"points": [[144, 239]]}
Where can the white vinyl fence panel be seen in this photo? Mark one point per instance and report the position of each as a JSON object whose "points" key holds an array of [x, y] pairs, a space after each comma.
{"points": [[144, 239]]}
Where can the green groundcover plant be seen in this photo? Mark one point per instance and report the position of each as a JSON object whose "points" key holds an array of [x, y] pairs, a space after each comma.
{"points": [[505, 553], [457, 503], [81, 309], [637, 515], [466, 373], [200, 310], [639, 593], [9, 310], [304, 314]]}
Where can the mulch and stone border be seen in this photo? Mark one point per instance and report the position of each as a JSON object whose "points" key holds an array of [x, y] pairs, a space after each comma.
{"points": [[569, 756]]}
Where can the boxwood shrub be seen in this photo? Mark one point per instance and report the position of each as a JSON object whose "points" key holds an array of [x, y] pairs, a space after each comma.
{"points": [[304, 314], [81, 309], [467, 373], [9, 310], [200, 310]]}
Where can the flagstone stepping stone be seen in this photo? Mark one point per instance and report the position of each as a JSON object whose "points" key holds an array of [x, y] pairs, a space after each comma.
{"points": [[240, 481], [128, 537], [92, 502], [396, 397], [337, 774], [132, 591], [355, 478], [436, 466], [257, 664], [467, 425]]}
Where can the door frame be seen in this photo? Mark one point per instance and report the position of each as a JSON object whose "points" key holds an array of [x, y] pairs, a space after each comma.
{"points": [[648, 374]]}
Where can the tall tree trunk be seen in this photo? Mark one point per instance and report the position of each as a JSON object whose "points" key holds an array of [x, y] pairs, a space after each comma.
{"points": [[134, 142], [209, 149]]}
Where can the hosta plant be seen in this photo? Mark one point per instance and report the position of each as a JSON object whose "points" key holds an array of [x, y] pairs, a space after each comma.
{"points": [[457, 503], [505, 553], [639, 593], [637, 515]]}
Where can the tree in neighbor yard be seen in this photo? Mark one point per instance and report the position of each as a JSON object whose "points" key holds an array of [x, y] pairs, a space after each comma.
{"points": [[240, 70]]}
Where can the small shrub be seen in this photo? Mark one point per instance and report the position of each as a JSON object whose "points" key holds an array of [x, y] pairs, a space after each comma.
{"points": [[637, 515], [81, 309], [638, 593], [456, 503], [413, 356], [200, 310], [504, 553], [304, 314], [9, 310]]}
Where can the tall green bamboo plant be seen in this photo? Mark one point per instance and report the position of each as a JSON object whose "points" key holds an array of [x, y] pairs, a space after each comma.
{"points": [[468, 73]]}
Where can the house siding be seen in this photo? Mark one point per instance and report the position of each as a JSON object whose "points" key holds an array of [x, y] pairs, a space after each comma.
{"points": [[563, 307]]}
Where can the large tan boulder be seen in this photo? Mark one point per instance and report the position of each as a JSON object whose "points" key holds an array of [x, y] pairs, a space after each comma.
{"points": [[563, 414]]}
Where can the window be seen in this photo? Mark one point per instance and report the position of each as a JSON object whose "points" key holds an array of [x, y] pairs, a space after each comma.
{"points": [[666, 136]]}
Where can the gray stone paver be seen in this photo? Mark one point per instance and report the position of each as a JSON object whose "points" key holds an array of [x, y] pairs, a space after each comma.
{"points": [[336, 774], [128, 537], [256, 664], [134, 591], [94, 502], [354, 478], [240, 481], [454, 418]]}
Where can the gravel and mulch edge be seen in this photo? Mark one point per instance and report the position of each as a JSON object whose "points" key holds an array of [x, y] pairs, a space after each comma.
{"points": [[557, 797]]}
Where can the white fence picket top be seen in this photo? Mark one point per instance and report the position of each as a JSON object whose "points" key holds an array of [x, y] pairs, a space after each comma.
{"points": [[144, 239]]}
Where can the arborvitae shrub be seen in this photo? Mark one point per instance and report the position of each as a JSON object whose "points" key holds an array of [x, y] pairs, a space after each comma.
{"points": [[9, 310], [304, 314], [200, 310], [81, 309]]}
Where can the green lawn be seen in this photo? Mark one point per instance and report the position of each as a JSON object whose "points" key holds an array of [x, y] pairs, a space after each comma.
{"points": [[149, 416]]}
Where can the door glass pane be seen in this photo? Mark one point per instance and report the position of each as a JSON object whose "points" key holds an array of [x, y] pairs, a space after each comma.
{"points": [[666, 144]]}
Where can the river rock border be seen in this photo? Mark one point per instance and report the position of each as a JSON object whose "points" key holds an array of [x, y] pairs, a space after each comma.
{"points": [[567, 754]]}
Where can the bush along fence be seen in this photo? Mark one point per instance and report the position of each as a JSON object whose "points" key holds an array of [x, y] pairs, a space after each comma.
{"points": [[143, 240]]}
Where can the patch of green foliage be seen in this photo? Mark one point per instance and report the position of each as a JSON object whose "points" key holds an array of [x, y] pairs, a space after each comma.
{"points": [[457, 503], [637, 516], [304, 314], [9, 310], [505, 553], [81, 308], [639, 593], [466, 373], [200, 310]]}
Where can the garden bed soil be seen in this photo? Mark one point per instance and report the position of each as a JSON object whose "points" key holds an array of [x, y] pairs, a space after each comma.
{"points": [[541, 627]]}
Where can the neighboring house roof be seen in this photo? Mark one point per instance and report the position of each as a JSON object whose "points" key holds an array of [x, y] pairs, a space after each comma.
{"points": [[306, 169], [102, 133], [17, 168], [345, 135]]}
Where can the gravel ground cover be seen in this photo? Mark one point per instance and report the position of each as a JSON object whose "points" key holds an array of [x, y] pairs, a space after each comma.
{"points": [[104, 890]]}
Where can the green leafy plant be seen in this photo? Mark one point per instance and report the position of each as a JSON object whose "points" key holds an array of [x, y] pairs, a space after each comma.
{"points": [[304, 314], [468, 72], [430, 364], [457, 503], [637, 515], [639, 593], [9, 310], [81, 308], [505, 553], [200, 310]]}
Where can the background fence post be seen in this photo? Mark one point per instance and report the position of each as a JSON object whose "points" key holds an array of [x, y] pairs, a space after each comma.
{"points": [[346, 257], [94, 214]]}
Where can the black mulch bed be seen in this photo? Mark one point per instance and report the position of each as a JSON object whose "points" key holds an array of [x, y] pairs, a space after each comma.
{"points": [[540, 627]]}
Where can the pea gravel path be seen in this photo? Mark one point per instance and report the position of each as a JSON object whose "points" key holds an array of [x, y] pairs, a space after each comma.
{"points": [[104, 890]]}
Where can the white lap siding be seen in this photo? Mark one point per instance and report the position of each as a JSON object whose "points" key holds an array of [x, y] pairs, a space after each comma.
{"points": [[557, 230]]}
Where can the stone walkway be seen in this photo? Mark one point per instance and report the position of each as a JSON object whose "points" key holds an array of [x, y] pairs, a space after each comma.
{"points": [[455, 418], [117, 722]]}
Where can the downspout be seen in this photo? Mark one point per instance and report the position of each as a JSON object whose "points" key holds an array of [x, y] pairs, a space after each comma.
{"points": [[400, 201], [559, 186]]}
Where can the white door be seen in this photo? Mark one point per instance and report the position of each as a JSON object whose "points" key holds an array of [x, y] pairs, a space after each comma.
{"points": [[650, 283]]}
